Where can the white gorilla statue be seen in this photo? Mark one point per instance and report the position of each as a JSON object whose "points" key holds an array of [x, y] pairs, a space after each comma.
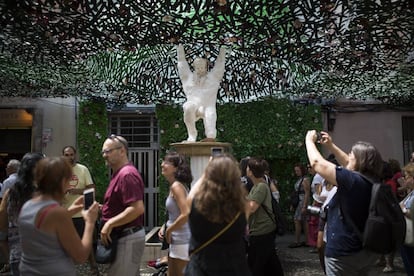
{"points": [[200, 88]]}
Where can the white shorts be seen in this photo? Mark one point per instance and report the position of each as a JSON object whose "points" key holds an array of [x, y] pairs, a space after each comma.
{"points": [[179, 251]]}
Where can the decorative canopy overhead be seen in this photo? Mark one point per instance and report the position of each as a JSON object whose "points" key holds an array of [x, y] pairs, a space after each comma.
{"points": [[125, 50]]}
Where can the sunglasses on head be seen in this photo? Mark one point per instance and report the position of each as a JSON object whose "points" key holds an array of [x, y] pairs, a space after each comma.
{"points": [[119, 139]]}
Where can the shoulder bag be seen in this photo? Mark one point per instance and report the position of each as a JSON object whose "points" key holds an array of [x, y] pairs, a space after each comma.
{"points": [[165, 245], [106, 254]]}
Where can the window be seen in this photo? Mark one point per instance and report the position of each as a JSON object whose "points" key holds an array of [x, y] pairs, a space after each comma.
{"points": [[140, 131]]}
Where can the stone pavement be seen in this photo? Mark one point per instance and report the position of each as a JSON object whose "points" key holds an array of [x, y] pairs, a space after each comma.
{"points": [[295, 262], [299, 262]]}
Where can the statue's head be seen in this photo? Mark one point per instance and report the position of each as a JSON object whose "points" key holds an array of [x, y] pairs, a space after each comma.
{"points": [[200, 66]]}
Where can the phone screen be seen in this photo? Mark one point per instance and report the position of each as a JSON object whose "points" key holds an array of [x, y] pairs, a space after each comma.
{"points": [[216, 151], [88, 198]]}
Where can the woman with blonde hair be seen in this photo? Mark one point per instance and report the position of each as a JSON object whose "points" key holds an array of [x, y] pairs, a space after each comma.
{"points": [[218, 222]]}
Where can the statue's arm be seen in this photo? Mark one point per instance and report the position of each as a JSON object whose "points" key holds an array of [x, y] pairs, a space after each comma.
{"points": [[218, 70], [184, 70]]}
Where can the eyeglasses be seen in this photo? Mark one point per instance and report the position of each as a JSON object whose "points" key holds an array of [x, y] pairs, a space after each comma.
{"points": [[167, 163], [108, 151], [119, 139]]}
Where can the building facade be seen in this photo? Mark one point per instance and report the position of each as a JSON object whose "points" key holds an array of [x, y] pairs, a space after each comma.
{"points": [[47, 124]]}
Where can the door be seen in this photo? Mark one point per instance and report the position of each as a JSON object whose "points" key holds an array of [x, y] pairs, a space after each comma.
{"points": [[142, 134]]}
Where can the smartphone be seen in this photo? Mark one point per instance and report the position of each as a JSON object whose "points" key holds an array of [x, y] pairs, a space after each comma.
{"points": [[318, 137], [216, 151], [88, 198]]}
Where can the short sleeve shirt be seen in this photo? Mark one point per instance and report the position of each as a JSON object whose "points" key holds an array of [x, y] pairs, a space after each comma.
{"points": [[80, 178], [8, 183], [408, 201], [353, 197], [317, 180], [126, 187], [260, 222]]}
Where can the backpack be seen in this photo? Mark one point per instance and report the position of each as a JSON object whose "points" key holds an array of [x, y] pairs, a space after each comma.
{"points": [[276, 213], [384, 230]]}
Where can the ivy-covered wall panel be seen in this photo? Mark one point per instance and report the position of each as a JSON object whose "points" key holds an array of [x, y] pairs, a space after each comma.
{"points": [[92, 132]]}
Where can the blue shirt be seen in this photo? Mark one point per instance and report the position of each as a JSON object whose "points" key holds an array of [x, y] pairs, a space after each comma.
{"points": [[354, 195], [8, 183]]}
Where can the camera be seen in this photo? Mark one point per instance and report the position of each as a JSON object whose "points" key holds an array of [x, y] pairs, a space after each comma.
{"points": [[217, 151], [313, 210], [316, 211], [318, 137]]}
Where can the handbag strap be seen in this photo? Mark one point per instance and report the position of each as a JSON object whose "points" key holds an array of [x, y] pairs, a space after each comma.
{"points": [[300, 189], [216, 235], [268, 212]]}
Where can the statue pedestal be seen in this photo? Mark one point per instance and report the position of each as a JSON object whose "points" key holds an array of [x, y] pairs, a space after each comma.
{"points": [[199, 153]]}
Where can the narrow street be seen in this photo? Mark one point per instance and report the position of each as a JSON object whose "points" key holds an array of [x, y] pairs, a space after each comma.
{"points": [[300, 262]]}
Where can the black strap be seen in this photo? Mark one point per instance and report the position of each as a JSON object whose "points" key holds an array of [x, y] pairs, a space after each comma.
{"points": [[265, 207], [300, 189], [268, 213]]}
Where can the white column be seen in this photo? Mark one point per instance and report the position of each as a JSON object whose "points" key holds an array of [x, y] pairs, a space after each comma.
{"points": [[198, 164]]}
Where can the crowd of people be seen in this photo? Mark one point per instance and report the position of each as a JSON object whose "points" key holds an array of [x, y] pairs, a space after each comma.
{"points": [[221, 226], [45, 228], [349, 200]]}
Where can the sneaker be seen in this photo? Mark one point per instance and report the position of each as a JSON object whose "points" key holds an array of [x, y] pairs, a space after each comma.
{"points": [[388, 269], [151, 263], [159, 264], [156, 264]]}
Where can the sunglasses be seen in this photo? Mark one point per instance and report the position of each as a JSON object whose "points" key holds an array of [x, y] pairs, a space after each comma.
{"points": [[119, 139]]}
